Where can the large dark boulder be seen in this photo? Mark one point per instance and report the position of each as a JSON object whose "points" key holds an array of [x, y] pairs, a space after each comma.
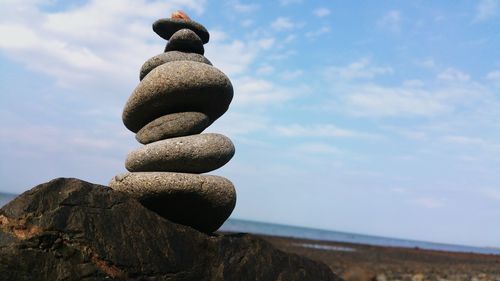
{"points": [[68, 229]]}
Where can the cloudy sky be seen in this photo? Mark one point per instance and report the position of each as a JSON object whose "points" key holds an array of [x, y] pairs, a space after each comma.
{"points": [[374, 117]]}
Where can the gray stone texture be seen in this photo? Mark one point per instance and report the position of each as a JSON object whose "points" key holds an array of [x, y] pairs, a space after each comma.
{"points": [[203, 202], [186, 41], [190, 154], [176, 87], [162, 58], [173, 125], [167, 27]]}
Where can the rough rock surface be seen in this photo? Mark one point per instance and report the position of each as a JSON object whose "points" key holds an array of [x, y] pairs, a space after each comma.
{"points": [[173, 125], [167, 27], [200, 153], [203, 202], [176, 87], [185, 40], [69, 229], [162, 58]]}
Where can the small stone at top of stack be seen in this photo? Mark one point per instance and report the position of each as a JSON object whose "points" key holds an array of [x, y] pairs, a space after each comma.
{"points": [[180, 94]]}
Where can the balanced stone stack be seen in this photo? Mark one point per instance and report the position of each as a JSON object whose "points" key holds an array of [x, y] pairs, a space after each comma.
{"points": [[179, 96]]}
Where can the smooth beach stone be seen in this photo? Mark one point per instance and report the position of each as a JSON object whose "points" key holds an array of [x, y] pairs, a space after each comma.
{"points": [[186, 41], [203, 202], [173, 125], [178, 86], [167, 27], [162, 58], [191, 154]]}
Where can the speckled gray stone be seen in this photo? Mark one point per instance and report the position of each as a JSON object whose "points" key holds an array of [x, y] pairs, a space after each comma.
{"points": [[203, 202], [191, 154], [176, 87], [173, 125], [162, 58], [167, 27], [185, 40]]}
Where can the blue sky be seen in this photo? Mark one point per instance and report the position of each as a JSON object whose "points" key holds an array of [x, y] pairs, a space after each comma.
{"points": [[375, 117]]}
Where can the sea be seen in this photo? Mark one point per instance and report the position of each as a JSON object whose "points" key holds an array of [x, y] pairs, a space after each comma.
{"points": [[273, 229], [5, 198]]}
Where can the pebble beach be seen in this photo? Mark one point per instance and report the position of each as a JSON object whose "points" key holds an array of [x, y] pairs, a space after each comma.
{"points": [[365, 262]]}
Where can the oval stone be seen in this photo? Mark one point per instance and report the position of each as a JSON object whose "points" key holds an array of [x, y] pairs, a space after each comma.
{"points": [[203, 202], [191, 154], [185, 40], [178, 86], [173, 125], [162, 58], [167, 27]]}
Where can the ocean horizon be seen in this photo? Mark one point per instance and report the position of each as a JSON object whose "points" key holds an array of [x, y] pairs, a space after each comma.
{"points": [[275, 229]]}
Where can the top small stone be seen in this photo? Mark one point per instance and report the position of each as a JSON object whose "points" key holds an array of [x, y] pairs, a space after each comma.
{"points": [[179, 20], [180, 15]]}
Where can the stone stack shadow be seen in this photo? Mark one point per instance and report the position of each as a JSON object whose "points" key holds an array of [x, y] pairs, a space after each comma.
{"points": [[180, 94]]}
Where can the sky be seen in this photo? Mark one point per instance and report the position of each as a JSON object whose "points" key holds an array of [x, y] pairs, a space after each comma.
{"points": [[372, 117]]}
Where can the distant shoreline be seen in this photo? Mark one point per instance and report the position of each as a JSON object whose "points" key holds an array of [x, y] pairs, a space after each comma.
{"points": [[287, 231]]}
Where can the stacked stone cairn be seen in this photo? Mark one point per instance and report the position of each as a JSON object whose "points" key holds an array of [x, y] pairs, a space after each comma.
{"points": [[179, 96]]}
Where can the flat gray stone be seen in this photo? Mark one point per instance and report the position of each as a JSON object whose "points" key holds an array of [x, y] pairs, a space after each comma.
{"points": [[162, 58], [203, 202], [185, 40], [190, 154], [178, 86], [167, 27], [173, 125]]}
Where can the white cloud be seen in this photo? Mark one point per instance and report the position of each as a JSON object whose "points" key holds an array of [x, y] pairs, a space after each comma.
{"points": [[290, 38], [453, 75], [97, 141], [426, 63], [493, 75], [253, 91], [359, 69], [292, 74], [247, 22], [282, 23], [485, 10], [288, 2], [316, 148], [266, 43], [463, 140], [320, 130], [376, 100], [391, 21], [473, 142], [239, 7], [491, 193], [265, 69], [248, 124], [96, 43], [413, 83], [429, 202], [321, 12], [232, 57], [318, 32]]}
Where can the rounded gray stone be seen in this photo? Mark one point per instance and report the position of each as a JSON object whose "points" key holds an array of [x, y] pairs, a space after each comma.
{"points": [[178, 86], [167, 27], [173, 125], [185, 40], [162, 58], [203, 202], [190, 154]]}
